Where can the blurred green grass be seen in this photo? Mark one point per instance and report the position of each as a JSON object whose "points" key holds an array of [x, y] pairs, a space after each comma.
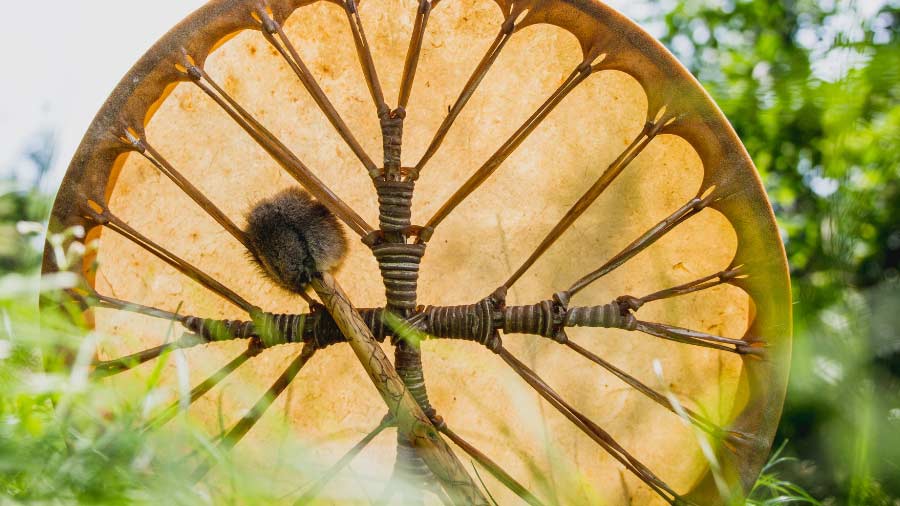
{"points": [[67, 440]]}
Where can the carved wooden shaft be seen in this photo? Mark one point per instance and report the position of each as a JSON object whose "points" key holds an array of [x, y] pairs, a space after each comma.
{"points": [[411, 420]]}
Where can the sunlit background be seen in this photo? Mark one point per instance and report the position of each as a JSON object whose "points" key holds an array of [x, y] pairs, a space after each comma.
{"points": [[811, 86], [61, 60]]}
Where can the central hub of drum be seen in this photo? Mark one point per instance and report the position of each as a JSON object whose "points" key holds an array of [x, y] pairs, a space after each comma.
{"points": [[398, 261]]}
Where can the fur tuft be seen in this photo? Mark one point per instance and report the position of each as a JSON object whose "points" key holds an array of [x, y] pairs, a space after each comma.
{"points": [[292, 237]]}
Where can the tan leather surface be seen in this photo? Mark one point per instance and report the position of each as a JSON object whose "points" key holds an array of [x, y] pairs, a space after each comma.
{"points": [[332, 404]]}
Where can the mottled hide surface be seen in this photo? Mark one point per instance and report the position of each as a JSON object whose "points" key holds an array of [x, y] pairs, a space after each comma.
{"points": [[332, 404]]}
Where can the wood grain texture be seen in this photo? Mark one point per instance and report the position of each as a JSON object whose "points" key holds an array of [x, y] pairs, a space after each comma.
{"points": [[411, 421]]}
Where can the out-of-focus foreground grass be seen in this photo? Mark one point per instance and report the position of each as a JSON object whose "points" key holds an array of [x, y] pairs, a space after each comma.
{"points": [[65, 439]]}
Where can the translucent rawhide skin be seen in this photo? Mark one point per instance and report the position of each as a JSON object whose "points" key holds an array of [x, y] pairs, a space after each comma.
{"points": [[692, 152]]}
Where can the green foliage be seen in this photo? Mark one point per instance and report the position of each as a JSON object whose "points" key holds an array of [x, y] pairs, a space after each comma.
{"points": [[69, 440], [771, 490], [65, 440], [23, 201], [813, 90]]}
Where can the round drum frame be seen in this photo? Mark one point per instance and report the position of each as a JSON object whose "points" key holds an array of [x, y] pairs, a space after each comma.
{"points": [[677, 105]]}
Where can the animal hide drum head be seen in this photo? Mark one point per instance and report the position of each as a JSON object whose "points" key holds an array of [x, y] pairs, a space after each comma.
{"points": [[634, 112]]}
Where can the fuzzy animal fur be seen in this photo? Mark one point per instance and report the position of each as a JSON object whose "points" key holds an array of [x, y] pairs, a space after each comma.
{"points": [[292, 237]]}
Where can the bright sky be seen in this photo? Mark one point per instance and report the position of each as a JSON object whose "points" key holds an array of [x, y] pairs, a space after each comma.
{"points": [[62, 58]]}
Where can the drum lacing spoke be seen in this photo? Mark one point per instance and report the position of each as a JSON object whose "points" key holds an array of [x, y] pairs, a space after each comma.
{"points": [[492, 467], [696, 418], [274, 34], [582, 72], [140, 144], [591, 429], [755, 348], [208, 329], [392, 120], [92, 298], [364, 53], [696, 338], [619, 315], [202, 335], [691, 208], [316, 488], [102, 369], [240, 429], [167, 414], [413, 52], [275, 148], [722, 277], [101, 216], [506, 31], [640, 142]]}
